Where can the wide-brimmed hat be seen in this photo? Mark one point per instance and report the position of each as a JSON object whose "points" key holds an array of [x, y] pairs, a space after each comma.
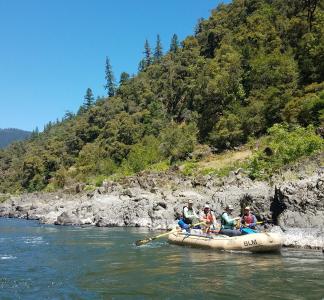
{"points": [[229, 206]]}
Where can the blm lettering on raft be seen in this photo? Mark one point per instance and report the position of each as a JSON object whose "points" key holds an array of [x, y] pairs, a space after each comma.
{"points": [[250, 243]]}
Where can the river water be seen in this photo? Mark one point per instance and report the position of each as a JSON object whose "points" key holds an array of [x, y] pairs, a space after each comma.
{"points": [[53, 262]]}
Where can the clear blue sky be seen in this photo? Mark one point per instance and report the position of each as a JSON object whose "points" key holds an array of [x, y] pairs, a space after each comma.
{"points": [[53, 50]]}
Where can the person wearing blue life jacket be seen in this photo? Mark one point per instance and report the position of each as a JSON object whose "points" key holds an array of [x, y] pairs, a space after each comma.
{"points": [[229, 223], [183, 225], [181, 222]]}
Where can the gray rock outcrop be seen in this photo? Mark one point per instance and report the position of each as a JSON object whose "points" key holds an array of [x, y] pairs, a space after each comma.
{"points": [[154, 200]]}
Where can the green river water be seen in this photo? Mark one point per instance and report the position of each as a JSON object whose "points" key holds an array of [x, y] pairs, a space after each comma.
{"points": [[53, 262]]}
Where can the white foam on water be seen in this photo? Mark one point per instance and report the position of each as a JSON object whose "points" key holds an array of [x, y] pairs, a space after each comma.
{"points": [[37, 240], [7, 257]]}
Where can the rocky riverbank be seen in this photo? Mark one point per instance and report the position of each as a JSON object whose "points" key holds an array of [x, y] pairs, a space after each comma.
{"points": [[153, 201]]}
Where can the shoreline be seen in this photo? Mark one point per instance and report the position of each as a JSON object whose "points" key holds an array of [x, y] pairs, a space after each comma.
{"points": [[153, 200]]}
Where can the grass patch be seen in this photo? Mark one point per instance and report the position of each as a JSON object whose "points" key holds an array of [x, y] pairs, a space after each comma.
{"points": [[4, 198]]}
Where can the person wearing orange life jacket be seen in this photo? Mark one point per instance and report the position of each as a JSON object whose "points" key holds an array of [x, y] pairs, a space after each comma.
{"points": [[248, 218], [208, 218]]}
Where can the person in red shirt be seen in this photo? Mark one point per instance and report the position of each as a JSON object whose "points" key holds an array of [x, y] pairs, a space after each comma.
{"points": [[207, 217], [248, 219]]}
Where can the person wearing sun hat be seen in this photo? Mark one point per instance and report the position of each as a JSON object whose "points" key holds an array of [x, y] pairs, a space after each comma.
{"points": [[229, 223], [189, 214], [207, 217], [248, 219]]}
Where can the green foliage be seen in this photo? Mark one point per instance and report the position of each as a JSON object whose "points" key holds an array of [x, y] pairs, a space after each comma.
{"points": [[143, 155], [174, 45], [246, 68], [189, 168], [284, 146], [305, 110], [110, 85], [158, 52], [161, 166], [94, 160], [4, 198], [227, 132], [88, 99], [177, 141]]}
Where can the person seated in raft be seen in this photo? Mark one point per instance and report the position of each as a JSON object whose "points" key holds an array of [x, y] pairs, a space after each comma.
{"points": [[229, 223], [183, 225], [248, 219], [189, 215], [207, 217]]}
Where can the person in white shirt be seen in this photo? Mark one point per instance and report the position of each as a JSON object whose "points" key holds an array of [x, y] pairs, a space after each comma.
{"points": [[189, 214]]}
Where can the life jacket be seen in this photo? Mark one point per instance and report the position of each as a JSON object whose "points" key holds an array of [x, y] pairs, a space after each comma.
{"points": [[221, 218], [186, 220], [248, 219], [208, 217], [183, 225]]}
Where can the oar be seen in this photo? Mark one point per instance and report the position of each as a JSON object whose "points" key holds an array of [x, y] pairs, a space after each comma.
{"points": [[259, 222], [145, 241]]}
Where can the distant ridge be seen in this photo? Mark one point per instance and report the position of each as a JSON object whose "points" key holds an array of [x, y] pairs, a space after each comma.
{"points": [[9, 135]]}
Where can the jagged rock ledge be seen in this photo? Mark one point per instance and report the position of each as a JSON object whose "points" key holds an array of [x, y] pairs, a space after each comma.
{"points": [[153, 200]]}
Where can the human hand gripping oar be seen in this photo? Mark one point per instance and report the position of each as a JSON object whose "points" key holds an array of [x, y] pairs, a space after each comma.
{"points": [[145, 241], [257, 223]]}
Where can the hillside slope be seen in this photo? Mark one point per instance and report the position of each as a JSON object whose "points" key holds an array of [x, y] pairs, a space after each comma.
{"points": [[251, 66], [9, 135]]}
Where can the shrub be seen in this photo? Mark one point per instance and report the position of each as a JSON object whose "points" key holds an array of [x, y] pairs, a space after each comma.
{"points": [[178, 140], [283, 146], [227, 132], [143, 154]]}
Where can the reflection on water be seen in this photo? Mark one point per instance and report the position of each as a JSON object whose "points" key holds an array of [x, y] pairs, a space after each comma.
{"points": [[104, 263]]}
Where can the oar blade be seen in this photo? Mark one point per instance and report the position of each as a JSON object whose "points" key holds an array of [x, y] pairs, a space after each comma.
{"points": [[142, 242]]}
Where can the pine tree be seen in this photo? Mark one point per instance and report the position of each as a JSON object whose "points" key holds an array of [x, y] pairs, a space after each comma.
{"points": [[148, 55], [199, 26], [158, 49], [88, 99], [174, 46], [35, 133], [124, 77], [141, 65], [110, 85]]}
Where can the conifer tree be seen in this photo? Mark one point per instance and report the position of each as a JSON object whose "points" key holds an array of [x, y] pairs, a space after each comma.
{"points": [[174, 46], [124, 76], [88, 99], [199, 26], [158, 49], [141, 65], [148, 54], [110, 85]]}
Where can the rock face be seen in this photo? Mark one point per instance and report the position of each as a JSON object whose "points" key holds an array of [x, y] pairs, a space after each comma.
{"points": [[154, 200], [301, 203]]}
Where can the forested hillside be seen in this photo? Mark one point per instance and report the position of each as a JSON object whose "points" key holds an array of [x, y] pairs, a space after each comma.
{"points": [[251, 65], [10, 135]]}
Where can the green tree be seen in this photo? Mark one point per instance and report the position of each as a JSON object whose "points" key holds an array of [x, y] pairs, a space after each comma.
{"points": [[174, 45], [110, 85], [158, 52], [147, 54], [227, 132], [124, 77], [178, 140], [88, 99]]}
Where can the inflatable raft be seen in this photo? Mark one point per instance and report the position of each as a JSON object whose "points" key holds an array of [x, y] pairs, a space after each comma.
{"points": [[257, 242]]}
